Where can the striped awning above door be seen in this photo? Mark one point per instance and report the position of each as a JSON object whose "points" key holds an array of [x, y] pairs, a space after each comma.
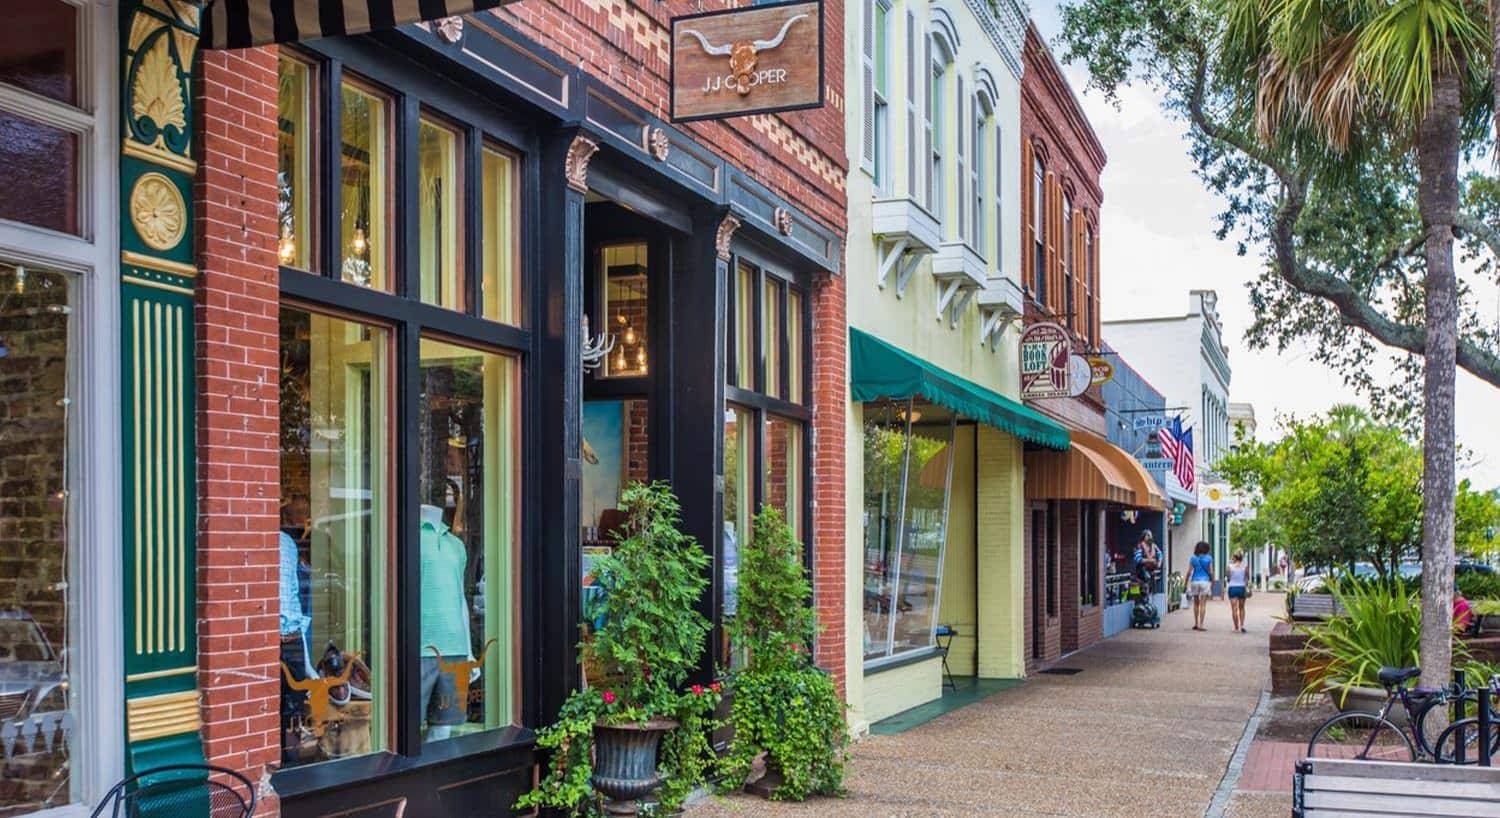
{"points": [[246, 23]]}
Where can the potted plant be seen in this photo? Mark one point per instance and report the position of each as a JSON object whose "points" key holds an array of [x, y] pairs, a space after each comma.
{"points": [[649, 637], [1381, 627], [783, 707]]}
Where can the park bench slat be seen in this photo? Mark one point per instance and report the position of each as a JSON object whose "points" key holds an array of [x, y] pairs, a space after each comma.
{"points": [[1353, 768], [1390, 804], [1441, 789]]}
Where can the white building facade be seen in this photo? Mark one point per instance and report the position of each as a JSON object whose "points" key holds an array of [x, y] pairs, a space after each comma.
{"points": [[1184, 357]]}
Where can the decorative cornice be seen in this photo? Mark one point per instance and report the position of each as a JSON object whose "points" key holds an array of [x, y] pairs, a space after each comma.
{"points": [[576, 166], [1004, 24], [725, 235], [159, 264]]}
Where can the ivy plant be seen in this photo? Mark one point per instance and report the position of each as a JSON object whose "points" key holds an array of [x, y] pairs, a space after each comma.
{"points": [[783, 705], [650, 637]]}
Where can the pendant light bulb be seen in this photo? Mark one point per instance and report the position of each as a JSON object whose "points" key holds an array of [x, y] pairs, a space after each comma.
{"points": [[630, 336], [287, 249], [357, 242]]}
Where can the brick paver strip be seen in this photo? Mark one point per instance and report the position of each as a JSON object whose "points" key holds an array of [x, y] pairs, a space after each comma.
{"points": [[1147, 729]]}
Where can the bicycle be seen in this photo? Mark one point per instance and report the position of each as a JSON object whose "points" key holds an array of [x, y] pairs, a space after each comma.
{"points": [[1459, 743], [1375, 736]]}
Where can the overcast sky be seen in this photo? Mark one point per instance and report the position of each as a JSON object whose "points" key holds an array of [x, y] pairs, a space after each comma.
{"points": [[1157, 242]]}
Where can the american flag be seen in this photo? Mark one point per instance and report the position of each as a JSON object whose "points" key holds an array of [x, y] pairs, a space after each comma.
{"points": [[1177, 444]]}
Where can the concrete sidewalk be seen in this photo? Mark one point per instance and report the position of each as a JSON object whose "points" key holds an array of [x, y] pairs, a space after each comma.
{"points": [[1147, 729]]}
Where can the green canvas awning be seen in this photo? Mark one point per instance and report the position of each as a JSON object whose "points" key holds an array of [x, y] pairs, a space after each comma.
{"points": [[879, 370]]}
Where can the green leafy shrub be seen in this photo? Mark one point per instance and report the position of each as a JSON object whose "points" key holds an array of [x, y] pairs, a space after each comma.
{"points": [[1479, 585], [1486, 607], [650, 639], [782, 704], [1381, 627]]}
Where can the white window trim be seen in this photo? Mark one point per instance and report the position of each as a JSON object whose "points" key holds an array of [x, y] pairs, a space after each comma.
{"points": [[937, 162], [882, 113], [94, 512]]}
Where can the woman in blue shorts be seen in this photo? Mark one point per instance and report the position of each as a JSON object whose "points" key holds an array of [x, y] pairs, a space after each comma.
{"points": [[1238, 583]]}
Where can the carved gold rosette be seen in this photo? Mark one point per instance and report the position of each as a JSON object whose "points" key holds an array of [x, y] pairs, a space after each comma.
{"points": [[158, 211]]}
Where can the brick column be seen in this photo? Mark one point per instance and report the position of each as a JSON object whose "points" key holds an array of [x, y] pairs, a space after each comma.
{"points": [[238, 413], [830, 370]]}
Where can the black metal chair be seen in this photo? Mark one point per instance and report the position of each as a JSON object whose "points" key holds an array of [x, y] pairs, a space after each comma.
{"points": [[180, 791]]}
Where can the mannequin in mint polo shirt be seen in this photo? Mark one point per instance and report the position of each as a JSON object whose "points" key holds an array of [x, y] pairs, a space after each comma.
{"points": [[445, 622]]}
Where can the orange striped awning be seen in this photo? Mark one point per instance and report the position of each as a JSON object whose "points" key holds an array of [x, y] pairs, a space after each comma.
{"points": [[1092, 469]]}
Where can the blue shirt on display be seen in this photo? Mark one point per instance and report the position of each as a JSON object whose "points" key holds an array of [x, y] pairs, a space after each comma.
{"points": [[293, 620]]}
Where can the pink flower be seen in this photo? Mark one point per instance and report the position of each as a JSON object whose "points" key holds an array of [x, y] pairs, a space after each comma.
{"points": [[609, 697], [697, 690], [716, 687]]}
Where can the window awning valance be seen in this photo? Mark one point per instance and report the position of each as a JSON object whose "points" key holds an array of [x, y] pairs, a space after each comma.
{"points": [[1093, 469], [246, 23], [879, 371]]}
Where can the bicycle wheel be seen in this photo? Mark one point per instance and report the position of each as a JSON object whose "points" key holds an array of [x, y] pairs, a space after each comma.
{"points": [[1364, 736], [1466, 732], [1428, 727]]}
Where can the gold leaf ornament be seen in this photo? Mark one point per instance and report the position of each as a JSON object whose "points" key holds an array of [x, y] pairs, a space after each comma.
{"points": [[158, 212], [156, 92]]}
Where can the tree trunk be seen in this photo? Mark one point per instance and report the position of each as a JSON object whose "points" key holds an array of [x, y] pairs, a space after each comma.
{"points": [[1437, 197], [1495, 62]]}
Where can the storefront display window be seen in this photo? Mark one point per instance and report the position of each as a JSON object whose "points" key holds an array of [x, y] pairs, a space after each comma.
{"points": [[796, 337], [739, 466], [782, 470], [743, 344], [335, 537], [294, 164], [438, 186], [773, 309], [364, 174], [467, 526], [39, 558], [626, 299], [499, 284], [908, 482]]}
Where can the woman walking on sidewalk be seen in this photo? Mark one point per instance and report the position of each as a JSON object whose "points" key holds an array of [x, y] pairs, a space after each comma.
{"points": [[1200, 582], [1238, 583]]}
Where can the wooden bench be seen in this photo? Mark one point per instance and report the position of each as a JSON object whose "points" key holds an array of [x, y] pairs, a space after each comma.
{"points": [[1315, 606], [1339, 788]]}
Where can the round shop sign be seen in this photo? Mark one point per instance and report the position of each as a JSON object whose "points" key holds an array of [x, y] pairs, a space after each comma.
{"points": [[1080, 375]]}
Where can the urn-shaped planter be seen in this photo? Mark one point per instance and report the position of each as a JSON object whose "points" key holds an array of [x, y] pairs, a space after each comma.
{"points": [[625, 762]]}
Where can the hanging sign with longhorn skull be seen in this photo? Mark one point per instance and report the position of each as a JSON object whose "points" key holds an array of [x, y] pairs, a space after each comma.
{"points": [[751, 60]]}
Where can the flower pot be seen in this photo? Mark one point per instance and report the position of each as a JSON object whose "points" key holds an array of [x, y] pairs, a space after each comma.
{"points": [[625, 762], [1364, 700]]}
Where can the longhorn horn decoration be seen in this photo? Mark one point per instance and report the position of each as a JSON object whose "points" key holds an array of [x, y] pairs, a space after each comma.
{"points": [[303, 685], [709, 48], [762, 45]]}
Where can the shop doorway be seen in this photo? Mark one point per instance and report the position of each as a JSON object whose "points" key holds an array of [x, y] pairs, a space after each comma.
{"points": [[1038, 575]]}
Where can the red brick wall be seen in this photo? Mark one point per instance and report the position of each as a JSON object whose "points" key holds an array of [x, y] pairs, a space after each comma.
{"points": [[238, 421], [799, 155], [1082, 625], [1055, 127], [830, 341]]}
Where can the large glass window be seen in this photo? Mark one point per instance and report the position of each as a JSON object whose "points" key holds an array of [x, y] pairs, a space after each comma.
{"points": [[1067, 261], [773, 310], [1038, 230], [745, 353], [336, 506], [908, 477], [469, 432], [294, 164], [40, 59], [782, 472], [39, 561], [347, 530], [364, 176], [438, 187], [882, 113], [739, 488], [500, 293]]}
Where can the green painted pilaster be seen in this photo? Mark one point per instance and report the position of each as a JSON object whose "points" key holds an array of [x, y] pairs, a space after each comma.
{"points": [[158, 42]]}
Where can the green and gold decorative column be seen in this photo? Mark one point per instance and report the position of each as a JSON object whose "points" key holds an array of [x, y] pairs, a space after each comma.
{"points": [[159, 39]]}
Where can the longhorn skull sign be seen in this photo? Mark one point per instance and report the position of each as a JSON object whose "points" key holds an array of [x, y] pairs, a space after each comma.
{"points": [[751, 59], [742, 55]]}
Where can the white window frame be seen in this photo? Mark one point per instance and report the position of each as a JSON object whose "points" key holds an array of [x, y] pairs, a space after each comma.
{"points": [[1069, 280], [882, 111], [979, 146], [1038, 282], [93, 258]]}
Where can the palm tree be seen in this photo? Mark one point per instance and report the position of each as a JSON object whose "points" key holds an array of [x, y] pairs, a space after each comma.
{"points": [[1345, 76]]}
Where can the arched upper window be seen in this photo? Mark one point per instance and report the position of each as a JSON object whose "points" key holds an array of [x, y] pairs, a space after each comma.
{"points": [[1038, 229]]}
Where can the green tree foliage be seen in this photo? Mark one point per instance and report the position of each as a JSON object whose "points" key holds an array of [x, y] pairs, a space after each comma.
{"points": [[1341, 489], [782, 705]]}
